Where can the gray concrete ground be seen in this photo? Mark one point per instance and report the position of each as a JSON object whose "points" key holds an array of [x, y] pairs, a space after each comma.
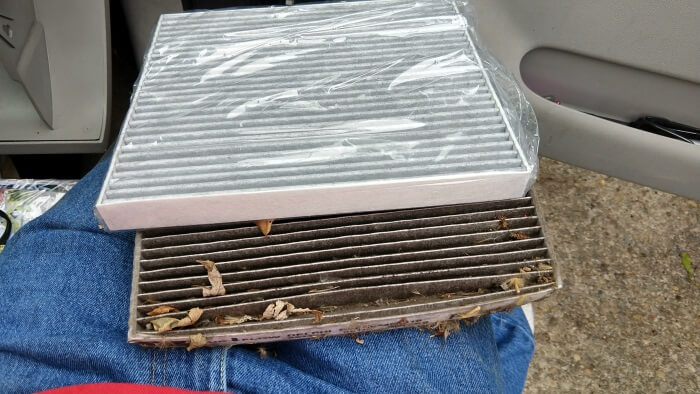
{"points": [[628, 318]]}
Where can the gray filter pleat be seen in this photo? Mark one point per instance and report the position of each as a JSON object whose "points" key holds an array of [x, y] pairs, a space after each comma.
{"points": [[365, 272], [307, 110]]}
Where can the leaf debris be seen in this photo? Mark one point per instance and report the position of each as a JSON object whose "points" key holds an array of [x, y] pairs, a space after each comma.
{"points": [[504, 222], [357, 339], [162, 309], [165, 324], [281, 310], [264, 225], [444, 328], [232, 320], [519, 235], [469, 314], [513, 283], [217, 284], [196, 341]]}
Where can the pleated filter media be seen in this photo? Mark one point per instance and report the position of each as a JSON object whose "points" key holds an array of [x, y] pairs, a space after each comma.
{"points": [[318, 109]]}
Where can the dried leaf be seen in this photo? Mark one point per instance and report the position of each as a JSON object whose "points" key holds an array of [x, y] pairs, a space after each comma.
{"points": [[232, 320], [281, 316], [281, 310], [519, 235], [522, 300], [217, 284], [279, 306], [445, 328], [192, 316], [151, 301], [318, 315], [164, 324], [513, 283], [265, 226], [162, 309], [469, 314], [269, 312], [196, 341], [504, 222], [543, 267]]}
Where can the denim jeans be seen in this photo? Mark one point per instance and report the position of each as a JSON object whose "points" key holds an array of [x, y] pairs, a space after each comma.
{"points": [[64, 295]]}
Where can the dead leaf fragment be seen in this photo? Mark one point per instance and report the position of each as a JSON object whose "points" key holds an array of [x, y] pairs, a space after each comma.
{"points": [[504, 222], [269, 312], [162, 309], [281, 310], [196, 341], [192, 316], [444, 328], [469, 314], [265, 225], [217, 284], [543, 267], [519, 236], [164, 324], [513, 283], [522, 300]]}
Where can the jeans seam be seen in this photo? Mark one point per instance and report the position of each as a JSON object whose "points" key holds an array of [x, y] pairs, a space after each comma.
{"points": [[222, 385], [153, 366], [165, 364]]}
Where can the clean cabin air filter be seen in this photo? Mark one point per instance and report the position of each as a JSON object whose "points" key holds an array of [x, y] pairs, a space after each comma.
{"points": [[259, 113]]}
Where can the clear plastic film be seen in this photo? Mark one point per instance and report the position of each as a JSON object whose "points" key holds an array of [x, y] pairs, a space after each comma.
{"points": [[23, 200], [264, 99]]}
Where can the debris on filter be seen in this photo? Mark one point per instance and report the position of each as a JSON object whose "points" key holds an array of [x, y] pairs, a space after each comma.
{"points": [[265, 226], [401, 323], [504, 222], [522, 300], [232, 320], [444, 328], [162, 309], [469, 314], [525, 269], [519, 235], [357, 339], [281, 310], [542, 279], [543, 267], [151, 301], [416, 292], [164, 324], [688, 265], [322, 290], [513, 283], [196, 341], [217, 283]]}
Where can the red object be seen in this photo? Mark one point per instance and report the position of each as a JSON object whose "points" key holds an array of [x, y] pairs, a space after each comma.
{"points": [[119, 388]]}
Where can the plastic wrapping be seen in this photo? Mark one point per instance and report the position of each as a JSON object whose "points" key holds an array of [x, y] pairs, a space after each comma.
{"points": [[291, 111], [26, 199]]}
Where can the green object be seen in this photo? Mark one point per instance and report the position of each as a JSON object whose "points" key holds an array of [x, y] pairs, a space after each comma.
{"points": [[688, 264]]}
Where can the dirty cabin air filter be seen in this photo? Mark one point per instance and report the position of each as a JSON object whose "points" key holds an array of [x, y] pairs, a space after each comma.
{"points": [[309, 110], [363, 272]]}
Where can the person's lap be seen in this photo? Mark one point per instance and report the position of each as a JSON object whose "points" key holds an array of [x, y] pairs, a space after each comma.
{"points": [[64, 294]]}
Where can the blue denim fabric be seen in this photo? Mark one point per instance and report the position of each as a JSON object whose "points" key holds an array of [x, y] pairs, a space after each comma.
{"points": [[64, 294]]}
